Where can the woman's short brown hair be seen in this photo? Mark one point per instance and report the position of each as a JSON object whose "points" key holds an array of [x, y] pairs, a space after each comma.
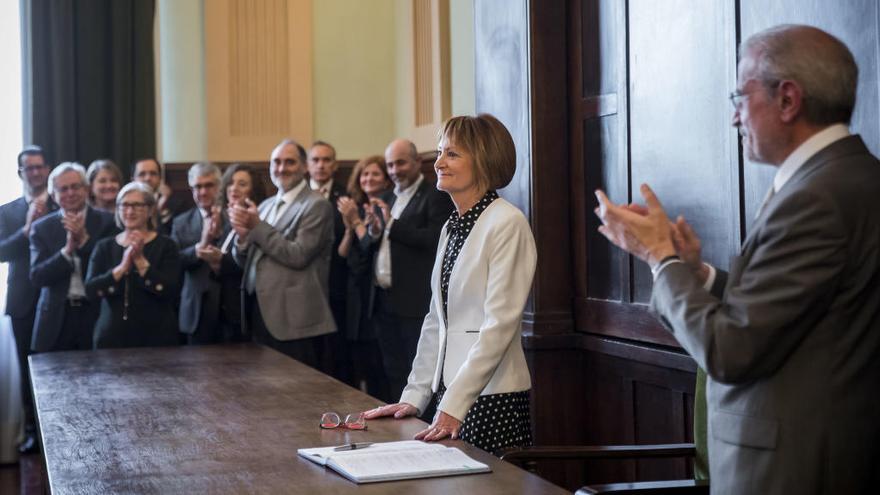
{"points": [[354, 182], [258, 192], [95, 168], [491, 145]]}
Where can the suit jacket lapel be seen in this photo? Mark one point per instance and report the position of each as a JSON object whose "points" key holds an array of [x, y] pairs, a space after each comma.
{"points": [[414, 200], [293, 211], [846, 146]]}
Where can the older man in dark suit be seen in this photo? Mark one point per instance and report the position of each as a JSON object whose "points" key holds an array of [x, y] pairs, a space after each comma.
{"points": [[407, 247], [194, 230], [790, 337], [61, 245], [16, 219]]}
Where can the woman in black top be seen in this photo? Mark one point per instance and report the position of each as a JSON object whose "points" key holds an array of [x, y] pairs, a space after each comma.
{"points": [[369, 180], [239, 182], [135, 275]]}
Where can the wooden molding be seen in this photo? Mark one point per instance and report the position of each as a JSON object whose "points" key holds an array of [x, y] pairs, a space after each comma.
{"points": [[258, 68]]}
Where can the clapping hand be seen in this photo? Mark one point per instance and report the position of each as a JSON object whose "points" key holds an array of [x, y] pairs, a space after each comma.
{"points": [[244, 217], [211, 255], [687, 245], [383, 207], [646, 235], [164, 194], [348, 210], [36, 209], [212, 226], [75, 225]]}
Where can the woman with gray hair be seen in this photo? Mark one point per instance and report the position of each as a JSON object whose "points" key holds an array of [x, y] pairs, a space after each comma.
{"points": [[135, 275]]}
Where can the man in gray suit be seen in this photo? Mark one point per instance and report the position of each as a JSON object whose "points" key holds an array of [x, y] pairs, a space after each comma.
{"points": [[790, 337], [284, 249], [194, 230]]}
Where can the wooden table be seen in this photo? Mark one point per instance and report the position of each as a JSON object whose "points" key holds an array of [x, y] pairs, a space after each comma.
{"points": [[215, 419]]}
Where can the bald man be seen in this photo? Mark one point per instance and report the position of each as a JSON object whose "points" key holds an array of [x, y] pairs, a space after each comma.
{"points": [[407, 246]]}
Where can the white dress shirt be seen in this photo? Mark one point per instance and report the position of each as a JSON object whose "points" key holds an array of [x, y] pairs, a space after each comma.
{"points": [[323, 189], [77, 289], [383, 258]]}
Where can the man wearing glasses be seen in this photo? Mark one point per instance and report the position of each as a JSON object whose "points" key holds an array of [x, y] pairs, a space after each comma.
{"points": [[61, 244], [16, 219], [194, 231], [790, 338]]}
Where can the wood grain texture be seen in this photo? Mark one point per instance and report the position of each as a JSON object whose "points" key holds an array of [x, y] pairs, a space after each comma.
{"points": [[856, 23], [258, 68], [214, 419]]}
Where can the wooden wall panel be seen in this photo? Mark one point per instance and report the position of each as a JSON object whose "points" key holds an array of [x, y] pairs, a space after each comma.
{"points": [[682, 63], [647, 102], [601, 127], [258, 73], [855, 22], [589, 390], [501, 43], [432, 76]]}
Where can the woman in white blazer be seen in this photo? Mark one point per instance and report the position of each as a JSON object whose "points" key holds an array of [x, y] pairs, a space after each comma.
{"points": [[470, 350]]}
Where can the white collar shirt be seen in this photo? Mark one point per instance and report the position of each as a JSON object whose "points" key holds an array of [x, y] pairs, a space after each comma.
{"points": [[322, 189], [816, 143], [383, 258], [276, 211]]}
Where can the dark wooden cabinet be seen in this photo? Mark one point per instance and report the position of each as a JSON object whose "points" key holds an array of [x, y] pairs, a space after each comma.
{"points": [[624, 92]]}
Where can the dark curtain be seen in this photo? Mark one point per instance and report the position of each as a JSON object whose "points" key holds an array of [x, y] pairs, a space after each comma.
{"points": [[89, 88]]}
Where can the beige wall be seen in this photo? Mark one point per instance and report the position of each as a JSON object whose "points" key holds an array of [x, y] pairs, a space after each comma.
{"points": [[361, 75], [353, 68], [461, 41], [180, 80]]}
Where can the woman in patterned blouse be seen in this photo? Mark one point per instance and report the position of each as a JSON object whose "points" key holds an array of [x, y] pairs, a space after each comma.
{"points": [[470, 354]]}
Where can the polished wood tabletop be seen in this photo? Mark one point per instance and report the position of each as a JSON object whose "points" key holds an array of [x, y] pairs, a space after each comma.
{"points": [[216, 419]]}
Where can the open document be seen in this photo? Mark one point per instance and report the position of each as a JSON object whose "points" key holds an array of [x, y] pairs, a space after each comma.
{"points": [[395, 461]]}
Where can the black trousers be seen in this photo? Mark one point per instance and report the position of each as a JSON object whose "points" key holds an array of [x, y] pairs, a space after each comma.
{"points": [[398, 340], [78, 326], [343, 360], [23, 329], [311, 351], [209, 330]]}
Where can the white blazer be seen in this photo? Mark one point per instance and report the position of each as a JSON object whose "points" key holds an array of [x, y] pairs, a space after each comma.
{"points": [[481, 352]]}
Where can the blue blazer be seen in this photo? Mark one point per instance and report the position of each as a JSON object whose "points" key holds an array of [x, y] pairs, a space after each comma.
{"points": [[197, 280], [21, 296], [50, 270]]}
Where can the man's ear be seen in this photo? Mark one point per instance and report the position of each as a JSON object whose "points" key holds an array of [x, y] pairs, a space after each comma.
{"points": [[790, 97]]}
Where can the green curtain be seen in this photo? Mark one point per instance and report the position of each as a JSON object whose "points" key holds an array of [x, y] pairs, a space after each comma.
{"points": [[89, 88]]}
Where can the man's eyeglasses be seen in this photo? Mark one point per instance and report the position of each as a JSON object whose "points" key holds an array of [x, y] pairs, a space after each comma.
{"points": [[354, 421], [32, 168], [738, 96], [72, 187]]}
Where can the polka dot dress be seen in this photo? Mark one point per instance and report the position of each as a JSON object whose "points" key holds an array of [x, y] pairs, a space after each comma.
{"points": [[494, 421]]}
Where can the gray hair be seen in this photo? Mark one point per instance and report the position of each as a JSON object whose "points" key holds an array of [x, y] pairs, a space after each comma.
{"points": [[149, 198], [820, 63], [202, 169], [303, 158], [63, 168]]}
